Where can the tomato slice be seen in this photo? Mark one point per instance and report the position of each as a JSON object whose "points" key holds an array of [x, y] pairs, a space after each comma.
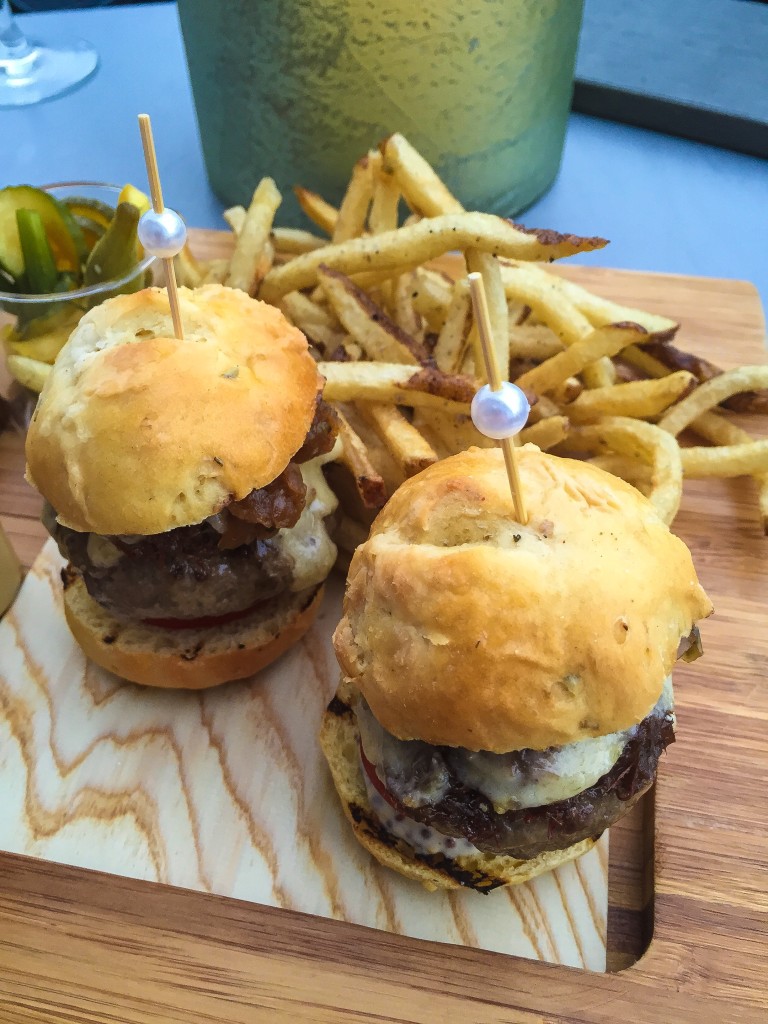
{"points": [[376, 782]]}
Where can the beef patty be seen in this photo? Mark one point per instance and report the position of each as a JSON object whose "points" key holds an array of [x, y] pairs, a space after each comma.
{"points": [[464, 812], [181, 574]]}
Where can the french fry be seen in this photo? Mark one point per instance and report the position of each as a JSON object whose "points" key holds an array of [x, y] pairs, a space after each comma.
{"points": [[718, 430], [406, 317], [317, 209], [354, 455], [244, 268], [638, 440], [407, 445], [600, 374], [641, 360], [602, 341], [432, 296], [543, 294], [449, 433], [541, 408], [294, 241], [353, 211], [703, 370], [382, 459], [368, 324], [661, 359], [190, 273], [567, 392], [726, 460], [452, 339], [408, 247], [397, 384], [643, 399], [546, 433], [422, 188], [315, 321], [30, 372], [235, 217], [385, 204], [533, 341], [488, 267], [598, 311], [519, 313], [711, 393], [217, 271]]}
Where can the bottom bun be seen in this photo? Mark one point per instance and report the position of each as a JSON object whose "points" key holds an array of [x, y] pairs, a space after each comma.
{"points": [[340, 742], [190, 659]]}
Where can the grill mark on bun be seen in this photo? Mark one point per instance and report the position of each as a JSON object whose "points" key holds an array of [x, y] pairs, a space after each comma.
{"points": [[468, 879], [339, 708]]}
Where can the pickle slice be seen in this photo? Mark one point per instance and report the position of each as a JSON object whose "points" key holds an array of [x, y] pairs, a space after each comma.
{"points": [[25, 197], [90, 209]]}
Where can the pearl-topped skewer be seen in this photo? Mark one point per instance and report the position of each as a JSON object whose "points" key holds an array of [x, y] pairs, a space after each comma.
{"points": [[161, 231], [499, 409]]}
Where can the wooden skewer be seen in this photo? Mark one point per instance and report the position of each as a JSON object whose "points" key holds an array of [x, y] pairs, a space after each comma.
{"points": [[483, 320], [156, 194]]}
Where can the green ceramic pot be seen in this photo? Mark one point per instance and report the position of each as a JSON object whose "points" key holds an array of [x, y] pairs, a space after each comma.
{"points": [[299, 89]]}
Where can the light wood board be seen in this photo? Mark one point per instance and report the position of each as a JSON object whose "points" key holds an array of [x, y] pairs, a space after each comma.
{"points": [[159, 950]]}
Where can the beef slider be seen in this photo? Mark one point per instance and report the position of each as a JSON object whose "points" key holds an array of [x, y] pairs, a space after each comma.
{"points": [[152, 449], [517, 674]]}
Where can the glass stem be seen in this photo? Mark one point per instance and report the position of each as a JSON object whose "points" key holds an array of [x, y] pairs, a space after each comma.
{"points": [[15, 51]]}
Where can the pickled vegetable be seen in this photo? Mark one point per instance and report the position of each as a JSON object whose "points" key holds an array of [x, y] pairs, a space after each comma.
{"points": [[40, 275], [63, 246], [90, 209], [114, 255], [52, 247]]}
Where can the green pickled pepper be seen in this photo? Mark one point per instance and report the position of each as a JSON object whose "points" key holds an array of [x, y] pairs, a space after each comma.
{"points": [[40, 274], [114, 255]]}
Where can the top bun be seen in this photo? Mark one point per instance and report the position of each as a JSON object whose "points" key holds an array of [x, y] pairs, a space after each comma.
{"points": [[137, 432], [461, 627]]}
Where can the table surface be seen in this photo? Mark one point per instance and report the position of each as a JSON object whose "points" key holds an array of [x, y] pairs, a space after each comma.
{"points": [[666, 203]]}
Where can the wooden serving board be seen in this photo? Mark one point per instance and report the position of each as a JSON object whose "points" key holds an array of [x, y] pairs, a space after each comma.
{"points": [[167, 787]]}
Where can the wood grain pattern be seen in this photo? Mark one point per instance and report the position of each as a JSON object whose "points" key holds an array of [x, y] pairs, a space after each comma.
{"points": [[226, 792], [79, 941]]}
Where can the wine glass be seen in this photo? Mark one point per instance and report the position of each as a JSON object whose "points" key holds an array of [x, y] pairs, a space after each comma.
{"points": [[31, 71]]}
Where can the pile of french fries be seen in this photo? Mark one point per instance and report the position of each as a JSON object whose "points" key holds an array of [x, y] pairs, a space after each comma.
{"points": [[383, 297], [381, 293]]}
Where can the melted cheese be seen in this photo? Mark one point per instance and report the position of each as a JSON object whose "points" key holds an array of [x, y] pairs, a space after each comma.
{"points": [[422, 838], [544, 777], [307, 543]]}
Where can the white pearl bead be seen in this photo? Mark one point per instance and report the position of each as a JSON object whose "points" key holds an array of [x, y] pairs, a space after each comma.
{"points": [[502, 413], [162, 234]]}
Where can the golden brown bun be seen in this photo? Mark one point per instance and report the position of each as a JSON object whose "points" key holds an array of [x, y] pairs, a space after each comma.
{"points": [[462, 627], [339, 739], [137, 432], [191, 659]]}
